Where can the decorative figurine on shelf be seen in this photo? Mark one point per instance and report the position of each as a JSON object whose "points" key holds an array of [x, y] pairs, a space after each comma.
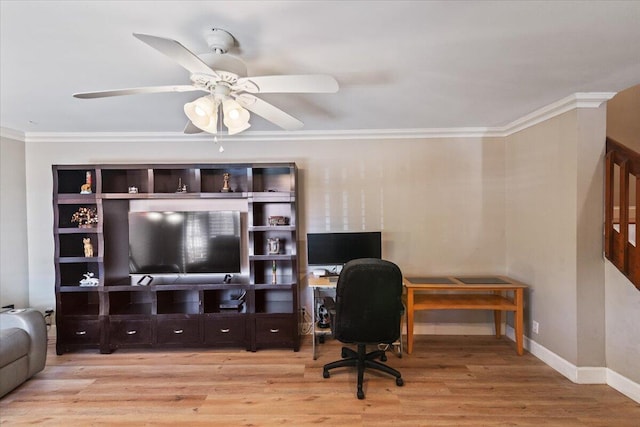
{"points": [[85, 217], [89, 280], [86, 187], [273, 270], [274, 245], [225, 186], [133, 190], [278, 220], [181, 188], [88, 247]]}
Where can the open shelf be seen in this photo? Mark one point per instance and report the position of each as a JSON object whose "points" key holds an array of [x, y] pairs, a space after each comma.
{"points": [[172, 181], [120, 181], [178, 302], [79, 304], [212, 180], [130, 303]]}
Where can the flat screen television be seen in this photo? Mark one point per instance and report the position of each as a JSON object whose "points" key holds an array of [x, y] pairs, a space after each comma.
{"points": [[340, 248], [184, 242]]}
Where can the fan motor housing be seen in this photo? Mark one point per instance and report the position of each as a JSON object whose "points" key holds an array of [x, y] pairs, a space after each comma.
{"points": [[219, 40]]}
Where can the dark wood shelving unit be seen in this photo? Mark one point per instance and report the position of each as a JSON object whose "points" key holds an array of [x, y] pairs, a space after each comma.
{"points": [[116, 314]]}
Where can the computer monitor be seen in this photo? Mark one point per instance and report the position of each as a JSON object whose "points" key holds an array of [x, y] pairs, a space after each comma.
{"points": [[340, 248]]}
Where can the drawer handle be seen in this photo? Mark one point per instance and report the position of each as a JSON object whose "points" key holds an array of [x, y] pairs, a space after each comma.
{"points": [[81, 332], [132, 332], [225, 331], [274, 331], [178, 331]]}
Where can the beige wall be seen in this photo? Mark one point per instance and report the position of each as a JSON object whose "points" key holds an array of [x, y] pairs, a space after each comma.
{"points": [[589, 313], [439, 202], [14, 273], [554, 231], [623, 117], [622, 299], [541, 231], [590, 278], [622, 325]]}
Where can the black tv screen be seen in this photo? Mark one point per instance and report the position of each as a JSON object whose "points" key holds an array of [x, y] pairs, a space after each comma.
{"points": [[340, 248], [184, 242]]}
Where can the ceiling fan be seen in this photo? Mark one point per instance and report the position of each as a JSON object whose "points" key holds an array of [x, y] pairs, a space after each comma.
{"points": [[230, 92]]}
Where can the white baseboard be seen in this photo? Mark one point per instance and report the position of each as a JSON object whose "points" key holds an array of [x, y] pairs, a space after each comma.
{"points": [[581, 375], [624, 385]]}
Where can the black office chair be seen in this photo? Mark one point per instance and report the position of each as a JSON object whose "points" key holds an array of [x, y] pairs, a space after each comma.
{"points": [[368, 311]]}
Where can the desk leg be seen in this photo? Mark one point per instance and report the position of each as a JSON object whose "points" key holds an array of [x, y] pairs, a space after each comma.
{"points": [[497, 320], [519, 321], [313, 323], [409, 320]]}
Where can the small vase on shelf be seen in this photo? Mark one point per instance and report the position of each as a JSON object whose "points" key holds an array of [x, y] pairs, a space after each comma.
{"points": [[274, 275]]}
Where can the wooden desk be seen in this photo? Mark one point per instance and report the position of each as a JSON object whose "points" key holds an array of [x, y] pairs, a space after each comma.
{"points": [[466, 293]]}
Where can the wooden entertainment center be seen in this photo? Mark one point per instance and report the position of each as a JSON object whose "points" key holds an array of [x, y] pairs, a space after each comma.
{"points": [[115, 312]]}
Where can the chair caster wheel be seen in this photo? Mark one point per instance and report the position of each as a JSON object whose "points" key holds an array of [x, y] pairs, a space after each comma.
{"points": [[383, 358], [325, 374], [399, 382], [360, 394]]}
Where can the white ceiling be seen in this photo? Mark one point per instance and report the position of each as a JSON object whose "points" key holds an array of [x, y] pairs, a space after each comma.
{"points": [[400, 65]]}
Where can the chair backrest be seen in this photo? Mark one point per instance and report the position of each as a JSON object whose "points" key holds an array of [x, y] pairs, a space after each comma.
{"points": [[368, 302]]}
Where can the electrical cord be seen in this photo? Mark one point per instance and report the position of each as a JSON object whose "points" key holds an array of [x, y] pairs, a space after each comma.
{"points": [[306, 322], [48, 318]]}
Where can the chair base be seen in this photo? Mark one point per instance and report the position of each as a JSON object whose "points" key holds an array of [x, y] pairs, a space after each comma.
{"points": [[361, 360]]}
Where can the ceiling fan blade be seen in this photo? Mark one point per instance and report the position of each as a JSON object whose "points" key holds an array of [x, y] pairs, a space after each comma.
{"points": [[177, 52], [190, 128], [136, 90], [310, 83], [269, 112]]}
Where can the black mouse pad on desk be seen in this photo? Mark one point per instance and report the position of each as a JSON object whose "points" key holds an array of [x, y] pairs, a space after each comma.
{"points": [[481, 280], [431, 280]]}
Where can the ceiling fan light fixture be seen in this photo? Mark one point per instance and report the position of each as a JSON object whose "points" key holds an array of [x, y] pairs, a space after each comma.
{"points": [[203, 113], [237, 129], [236, 118]]}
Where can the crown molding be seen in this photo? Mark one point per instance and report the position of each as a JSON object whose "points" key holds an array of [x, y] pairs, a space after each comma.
{"points": [[364, 134], [571, 102], [11, 134], [577, 100]]}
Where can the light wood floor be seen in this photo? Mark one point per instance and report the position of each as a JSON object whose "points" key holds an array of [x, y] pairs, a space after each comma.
{"points": [[449, 381]]}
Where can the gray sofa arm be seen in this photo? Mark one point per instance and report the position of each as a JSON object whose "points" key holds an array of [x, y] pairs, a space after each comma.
{"points": [[32, 321]]}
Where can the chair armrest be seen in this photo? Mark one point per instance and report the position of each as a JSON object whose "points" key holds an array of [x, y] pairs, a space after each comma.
{"points": [[32, 322]]}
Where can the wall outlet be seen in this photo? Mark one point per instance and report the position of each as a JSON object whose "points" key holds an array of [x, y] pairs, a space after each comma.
{"points": [[535, 327]]}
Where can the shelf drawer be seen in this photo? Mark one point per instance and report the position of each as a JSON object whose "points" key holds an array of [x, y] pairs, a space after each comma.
{"points": [[80, 331], [274, 330], [178, 331], [123, 332], [225, 330]]}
